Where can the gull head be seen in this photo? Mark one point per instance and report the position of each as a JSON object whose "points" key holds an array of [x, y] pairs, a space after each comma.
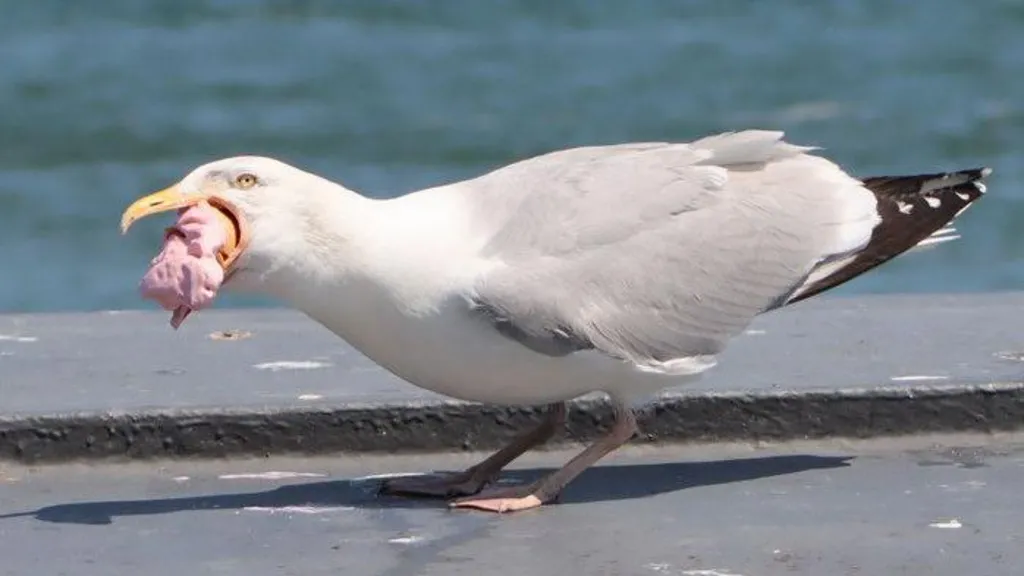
{"points": [[274, 209]]}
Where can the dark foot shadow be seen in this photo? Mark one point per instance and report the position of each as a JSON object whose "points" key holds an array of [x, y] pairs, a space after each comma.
{"points": [[600, 484]]}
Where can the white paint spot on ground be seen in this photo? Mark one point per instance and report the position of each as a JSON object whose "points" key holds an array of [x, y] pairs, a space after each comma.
{"points": [[952, 523], [180, 479], [298, 509], [230, 335], [755, 332], [405, 540], [375, 477], [968, 486], [666, 568], [290, 365], [1015, 356], [10, 338], [310, 397], [272, 475], [917, 377]]}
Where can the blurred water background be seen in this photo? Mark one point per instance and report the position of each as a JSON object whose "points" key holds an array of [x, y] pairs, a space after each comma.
{"points": [[103, 101]]}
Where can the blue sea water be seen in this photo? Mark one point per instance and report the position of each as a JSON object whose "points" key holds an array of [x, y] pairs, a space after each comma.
{"points": [[101, 102]]}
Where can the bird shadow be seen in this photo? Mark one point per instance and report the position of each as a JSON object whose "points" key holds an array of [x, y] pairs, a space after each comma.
{"points": [[599, 484]]}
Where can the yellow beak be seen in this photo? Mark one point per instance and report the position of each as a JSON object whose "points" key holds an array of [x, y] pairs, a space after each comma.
{"points": [[163, 201], [173, 199]]}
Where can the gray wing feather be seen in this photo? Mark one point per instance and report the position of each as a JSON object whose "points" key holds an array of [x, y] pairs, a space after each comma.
{"points": [[651, 252]]}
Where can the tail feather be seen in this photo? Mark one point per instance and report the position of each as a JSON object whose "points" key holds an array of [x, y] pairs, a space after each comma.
{"points": [[915, 211]]}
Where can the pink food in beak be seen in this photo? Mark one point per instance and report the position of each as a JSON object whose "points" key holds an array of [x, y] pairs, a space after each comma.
{"points": [[186, 274]]}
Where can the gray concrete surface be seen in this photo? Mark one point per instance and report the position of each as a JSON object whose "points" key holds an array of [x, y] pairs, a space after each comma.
{"points": [[131, 361], [109, 384], [914, 506]]}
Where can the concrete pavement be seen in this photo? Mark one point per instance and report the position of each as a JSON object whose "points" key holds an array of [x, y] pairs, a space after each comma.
{"points": [[254, 382], [926, 505]]}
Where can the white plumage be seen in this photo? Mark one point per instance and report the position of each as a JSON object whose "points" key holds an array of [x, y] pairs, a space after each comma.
{"points": [[622, 269]]}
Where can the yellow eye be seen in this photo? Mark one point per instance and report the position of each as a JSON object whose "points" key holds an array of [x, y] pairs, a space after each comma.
{"points": [[245, 180]]}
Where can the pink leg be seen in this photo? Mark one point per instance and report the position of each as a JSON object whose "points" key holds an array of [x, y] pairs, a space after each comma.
{"points": [[473, 479], [547, 488]]}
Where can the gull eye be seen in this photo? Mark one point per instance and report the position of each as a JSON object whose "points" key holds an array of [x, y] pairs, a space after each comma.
{"points": [[245, 180]]}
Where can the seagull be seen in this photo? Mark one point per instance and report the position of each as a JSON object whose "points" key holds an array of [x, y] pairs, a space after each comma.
{"points": [[620, 269]]}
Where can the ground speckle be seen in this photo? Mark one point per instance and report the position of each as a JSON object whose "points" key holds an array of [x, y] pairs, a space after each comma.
{"points": [[230, 335], [290, 365]]}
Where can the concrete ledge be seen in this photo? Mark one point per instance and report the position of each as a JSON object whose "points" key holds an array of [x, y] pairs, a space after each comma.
{"points": [[456, 426], [124, 385]]}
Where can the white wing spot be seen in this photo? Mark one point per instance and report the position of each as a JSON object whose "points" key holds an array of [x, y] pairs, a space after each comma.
{"points": [[933, 201], [904, 207], [290, 365], [981, 187], [272, 475], [962, 196], [9, 338]]}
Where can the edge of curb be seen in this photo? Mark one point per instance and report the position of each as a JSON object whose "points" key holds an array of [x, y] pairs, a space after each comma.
{"points": [[423, 427]]}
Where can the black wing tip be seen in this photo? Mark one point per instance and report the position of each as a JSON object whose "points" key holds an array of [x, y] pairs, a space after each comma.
{"points": [[927, 193], [911, 209], [978, 176], [923, 184], [975, 173]]}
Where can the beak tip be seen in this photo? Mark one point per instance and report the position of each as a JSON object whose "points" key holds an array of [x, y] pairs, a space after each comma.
{"points": [[162, 201]]}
